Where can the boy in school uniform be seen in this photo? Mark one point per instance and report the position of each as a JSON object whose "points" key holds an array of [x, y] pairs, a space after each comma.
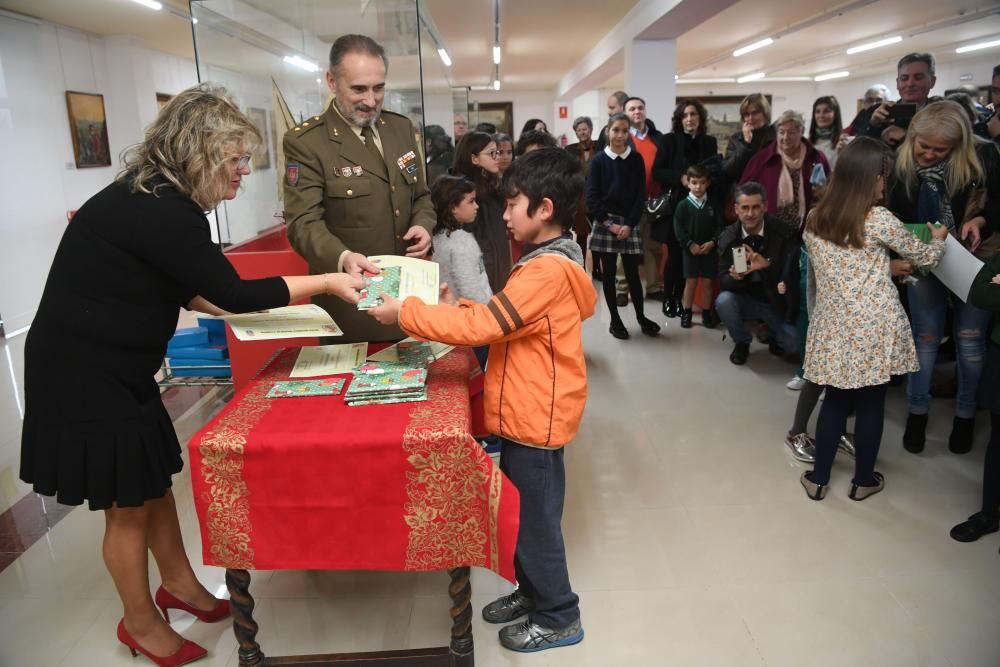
{"points": [[697, 226], [536, 383]]}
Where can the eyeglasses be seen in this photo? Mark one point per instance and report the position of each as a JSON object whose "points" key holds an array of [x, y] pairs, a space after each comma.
{"points": [[243, 161], [493, 154]]}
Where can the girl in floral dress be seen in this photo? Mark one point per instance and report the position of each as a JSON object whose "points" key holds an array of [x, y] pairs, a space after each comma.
{"points": [[859, 335]]}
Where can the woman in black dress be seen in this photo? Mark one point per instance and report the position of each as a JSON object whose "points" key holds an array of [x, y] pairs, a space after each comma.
{"points": [[95, 428], [687, 143]]}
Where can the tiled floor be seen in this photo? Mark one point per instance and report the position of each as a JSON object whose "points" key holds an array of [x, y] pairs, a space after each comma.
{"points": [[690, 543]]}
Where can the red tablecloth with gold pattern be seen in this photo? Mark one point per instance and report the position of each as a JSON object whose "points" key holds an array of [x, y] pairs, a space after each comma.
{"points": [[311, 483]]}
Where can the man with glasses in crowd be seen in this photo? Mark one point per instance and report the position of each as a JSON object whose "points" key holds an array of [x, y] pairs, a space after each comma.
{"points": [[354, 186]]}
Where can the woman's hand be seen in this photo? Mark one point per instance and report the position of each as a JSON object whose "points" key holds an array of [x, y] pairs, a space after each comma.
{"points": [[996, 279], [971, 232], [900, 267], [707, 247], [445, 296], [344, 286], [388, 312], [747, 131], [694, 249], [623, 232], [939, 231], [614, 228]]}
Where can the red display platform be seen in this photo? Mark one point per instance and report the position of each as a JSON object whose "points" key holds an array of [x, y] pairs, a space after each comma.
{"points": [[267, 254]]}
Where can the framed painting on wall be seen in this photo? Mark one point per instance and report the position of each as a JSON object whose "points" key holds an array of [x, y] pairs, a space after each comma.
{"points": [[723, 116], [88, 127], [500, 114], [262, 155]]}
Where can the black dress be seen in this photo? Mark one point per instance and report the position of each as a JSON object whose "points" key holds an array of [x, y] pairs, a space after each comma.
{"points": [[94, 426]]}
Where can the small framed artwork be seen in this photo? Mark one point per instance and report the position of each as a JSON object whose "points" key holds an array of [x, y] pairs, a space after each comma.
{"points": [[500, 114], [262, 155], [88, 127], [723, 116]]}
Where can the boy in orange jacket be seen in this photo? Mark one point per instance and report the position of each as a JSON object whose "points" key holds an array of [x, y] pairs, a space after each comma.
{"points": [[536, 383]]}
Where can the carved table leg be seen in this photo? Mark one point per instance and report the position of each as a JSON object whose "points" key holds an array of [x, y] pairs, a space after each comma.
{"points": [[460, 590], [245, 628]]}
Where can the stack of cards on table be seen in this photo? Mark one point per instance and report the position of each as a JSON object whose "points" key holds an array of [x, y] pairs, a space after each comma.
{"points": [[402, 381], [387, 282], [295, 388]]}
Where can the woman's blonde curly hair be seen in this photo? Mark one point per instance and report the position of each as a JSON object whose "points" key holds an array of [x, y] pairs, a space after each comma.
{"points": [[189, 146]]}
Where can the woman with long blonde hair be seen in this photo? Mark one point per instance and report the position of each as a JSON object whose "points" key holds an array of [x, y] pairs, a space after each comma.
{"points": [[95, 428], [944, 174]]}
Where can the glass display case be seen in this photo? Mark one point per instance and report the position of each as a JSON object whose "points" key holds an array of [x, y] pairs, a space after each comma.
{"points": [[273, 56]]}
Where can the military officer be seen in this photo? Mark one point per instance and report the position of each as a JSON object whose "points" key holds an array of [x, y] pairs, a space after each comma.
{"points": [[353, 182]]}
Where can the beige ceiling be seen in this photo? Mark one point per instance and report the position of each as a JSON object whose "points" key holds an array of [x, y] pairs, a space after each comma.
{"points": [[543, 40]]}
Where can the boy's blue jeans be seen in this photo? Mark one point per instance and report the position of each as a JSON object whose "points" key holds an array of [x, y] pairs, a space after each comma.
{"points": [[540, 557], [928, 310]]}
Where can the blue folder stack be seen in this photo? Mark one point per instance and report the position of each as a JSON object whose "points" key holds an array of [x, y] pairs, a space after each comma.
{"points": [[202, 348]]}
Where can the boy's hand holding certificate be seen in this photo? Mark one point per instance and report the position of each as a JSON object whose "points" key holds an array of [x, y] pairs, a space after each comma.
{"points": [[399, 278]]}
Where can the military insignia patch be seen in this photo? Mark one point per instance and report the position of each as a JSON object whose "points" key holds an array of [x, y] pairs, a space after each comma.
{"points": [[292, 174], [345, 171], [358, 170]]}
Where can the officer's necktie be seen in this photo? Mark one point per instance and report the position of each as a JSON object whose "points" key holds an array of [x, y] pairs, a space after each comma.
{"points": [[369, 136]]}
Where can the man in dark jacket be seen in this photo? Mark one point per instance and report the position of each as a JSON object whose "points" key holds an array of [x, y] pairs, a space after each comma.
{"points": [[753, 294]]}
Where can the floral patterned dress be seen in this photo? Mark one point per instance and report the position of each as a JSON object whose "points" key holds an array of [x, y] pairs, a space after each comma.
{"points": [[858, 332]]}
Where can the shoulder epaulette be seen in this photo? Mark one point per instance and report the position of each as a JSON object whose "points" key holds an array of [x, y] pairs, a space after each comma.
{"points": [[306, 125]]}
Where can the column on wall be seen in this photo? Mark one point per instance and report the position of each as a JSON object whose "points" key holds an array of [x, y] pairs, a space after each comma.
{"points": [[650, 66]]}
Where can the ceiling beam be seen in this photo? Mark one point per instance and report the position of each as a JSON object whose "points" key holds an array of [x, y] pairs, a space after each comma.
{"points": [[649, 19]]}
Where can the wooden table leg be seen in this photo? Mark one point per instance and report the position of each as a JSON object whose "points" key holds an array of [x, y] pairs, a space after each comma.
{"points": [[460, 590], [245, 628]]}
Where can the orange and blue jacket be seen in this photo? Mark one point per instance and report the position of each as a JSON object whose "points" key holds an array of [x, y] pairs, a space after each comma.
{"points": [[536, 377]]}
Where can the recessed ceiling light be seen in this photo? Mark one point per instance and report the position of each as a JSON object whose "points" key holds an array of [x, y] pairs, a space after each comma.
{"points": [[874, 45], [496, 84], [831, 75], [496, 55], [152, 4], [976, 47], [445, 58], [753, 47], [301, 63], [751, 77]]}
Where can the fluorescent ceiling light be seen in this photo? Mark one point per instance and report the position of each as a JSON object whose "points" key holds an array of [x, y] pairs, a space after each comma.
{"points": [[874, 45], [683, 81], [444, 57], [301, 63], [496, 84], [832, 75], [976, 47], [751, 77], [496, 55], [753, 47], [152, 4]]}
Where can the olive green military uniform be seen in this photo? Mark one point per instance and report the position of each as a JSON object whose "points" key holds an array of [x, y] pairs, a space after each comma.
{"points": [[339, 197]]}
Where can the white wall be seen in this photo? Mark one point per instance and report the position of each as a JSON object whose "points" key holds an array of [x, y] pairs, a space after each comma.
{"points": [[39, 182]]}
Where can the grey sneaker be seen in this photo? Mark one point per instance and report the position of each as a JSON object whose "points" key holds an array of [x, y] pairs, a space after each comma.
{"points": [[528, 637], [803, 447], [846, 445], [507, 608]]}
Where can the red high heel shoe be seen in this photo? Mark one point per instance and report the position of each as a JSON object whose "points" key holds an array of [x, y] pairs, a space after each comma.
{"points": [[188, 652], [166, 600]]}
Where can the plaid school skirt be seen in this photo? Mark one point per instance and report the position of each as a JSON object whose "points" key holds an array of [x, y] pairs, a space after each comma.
{"points": [[601, 240]]}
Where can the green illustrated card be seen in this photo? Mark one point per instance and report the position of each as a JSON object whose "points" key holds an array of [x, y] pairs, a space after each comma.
{"points": [[386, 282], [296, 388], [387, 382], [921, 231]]}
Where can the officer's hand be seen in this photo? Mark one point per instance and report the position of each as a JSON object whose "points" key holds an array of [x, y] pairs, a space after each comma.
{"points": [[388, 312], [358, 265], [420, 240]]}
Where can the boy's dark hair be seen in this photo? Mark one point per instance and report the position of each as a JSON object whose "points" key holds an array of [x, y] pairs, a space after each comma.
{"points": [[534, 138], [447, 193], [698, 171], [547, 173], [488, 128], [996, 71]]}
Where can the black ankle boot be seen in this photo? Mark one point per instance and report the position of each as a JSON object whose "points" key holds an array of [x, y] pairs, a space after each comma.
{"points": [[670, 307], [914, 435], [686, 317], [962, 429]]}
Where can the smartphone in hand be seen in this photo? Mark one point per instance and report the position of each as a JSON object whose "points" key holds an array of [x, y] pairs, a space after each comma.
{"points": [[739, 259]]}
